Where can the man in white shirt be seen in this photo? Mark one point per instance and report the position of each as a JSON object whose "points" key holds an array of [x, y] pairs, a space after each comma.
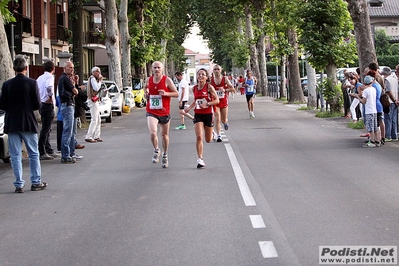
{"points": [[183, 99], [391, 119], [45, 83]]}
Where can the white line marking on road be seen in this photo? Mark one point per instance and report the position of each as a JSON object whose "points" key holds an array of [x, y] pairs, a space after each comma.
{"points": [[257, 221], [268, 249], [242, 182]]}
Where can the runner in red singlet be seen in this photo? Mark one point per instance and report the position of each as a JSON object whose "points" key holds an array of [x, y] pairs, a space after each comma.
{"points": [[205, 98], [222, 87], [159, 89]]}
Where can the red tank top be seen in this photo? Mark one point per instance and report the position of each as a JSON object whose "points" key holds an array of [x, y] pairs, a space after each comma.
{"points": [[199, 97], [158, 105], [220, 89]]}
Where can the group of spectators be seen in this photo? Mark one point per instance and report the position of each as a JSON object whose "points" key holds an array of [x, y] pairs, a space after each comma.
{"points": [[22, 96], [362, 99]]}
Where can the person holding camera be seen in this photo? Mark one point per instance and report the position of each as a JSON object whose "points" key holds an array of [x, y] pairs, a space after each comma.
{"points": [[93, 88]]}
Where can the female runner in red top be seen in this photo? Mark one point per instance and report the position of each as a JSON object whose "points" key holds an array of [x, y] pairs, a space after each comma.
{"points": [[205, 98], [222, 87]]}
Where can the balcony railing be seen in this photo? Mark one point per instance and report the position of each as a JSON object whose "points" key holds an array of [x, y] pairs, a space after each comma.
{"points": [[90, 37], [23, 25], [63, 34]]}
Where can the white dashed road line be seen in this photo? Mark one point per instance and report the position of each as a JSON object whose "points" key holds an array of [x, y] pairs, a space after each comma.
{"points": [[257, 221], [242, 182], [268, 249]]}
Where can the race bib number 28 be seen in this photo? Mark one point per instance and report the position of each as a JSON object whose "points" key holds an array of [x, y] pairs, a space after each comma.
{"points": [[156, 102]]}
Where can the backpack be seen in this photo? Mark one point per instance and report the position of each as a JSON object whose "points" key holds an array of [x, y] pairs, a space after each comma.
{"points": [[384, 99]]}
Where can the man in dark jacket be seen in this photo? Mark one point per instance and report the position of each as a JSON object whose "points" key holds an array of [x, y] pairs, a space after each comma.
{"points": [[67, 92], [19, 99]]}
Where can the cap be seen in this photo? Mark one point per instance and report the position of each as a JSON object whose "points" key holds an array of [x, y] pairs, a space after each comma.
{"points": [[368, 80], [386, 71]]}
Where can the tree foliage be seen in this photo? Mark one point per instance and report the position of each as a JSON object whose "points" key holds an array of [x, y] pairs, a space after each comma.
{"points": [[381, 41], [325, 26], [218, 25]]}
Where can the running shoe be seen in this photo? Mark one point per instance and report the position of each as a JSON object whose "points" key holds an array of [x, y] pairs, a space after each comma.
{"points": [[369, 145], [165, 162], [388, 140], [180, 127], [200, 163], [226, 126], [155, 157], [219, 139]]}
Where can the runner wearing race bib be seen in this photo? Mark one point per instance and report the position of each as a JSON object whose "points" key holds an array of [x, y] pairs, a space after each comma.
{"points": [[205, 98], [223, 87], [250, 92], [159, 90]]}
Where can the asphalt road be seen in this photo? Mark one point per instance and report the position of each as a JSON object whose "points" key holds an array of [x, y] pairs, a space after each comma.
{"points": [[277, 187]]}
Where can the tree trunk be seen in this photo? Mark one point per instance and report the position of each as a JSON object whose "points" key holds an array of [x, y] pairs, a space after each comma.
{"points": [[252, 47], [358, 10], [112, 42], [312, 83], [335, 106], [76, 17], [6, 62], [262, 82], [296, 94], [283, 80], [125, 45]]}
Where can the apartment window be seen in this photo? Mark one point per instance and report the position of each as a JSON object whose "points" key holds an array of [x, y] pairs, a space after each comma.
{"points": [[45, 12], [46, 52], [27, 12]]}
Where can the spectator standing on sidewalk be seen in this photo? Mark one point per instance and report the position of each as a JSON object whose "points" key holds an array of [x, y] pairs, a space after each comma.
{"points": [[19, 99], [45, 83], [183, 99], [368, 98], [93, 88], [67, 92], [158, 90], [354, 80], [391, 119], [380, 111], [205, 98]]}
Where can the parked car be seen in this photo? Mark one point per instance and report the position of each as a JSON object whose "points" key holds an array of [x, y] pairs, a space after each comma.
{"points": [[105, 104], [4, 155], [340, 72], [138, 92], [116, 95]]}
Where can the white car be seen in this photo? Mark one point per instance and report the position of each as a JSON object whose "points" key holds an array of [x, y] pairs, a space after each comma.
{"points": [[105, 103], [117, 96], [4, 155]]}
